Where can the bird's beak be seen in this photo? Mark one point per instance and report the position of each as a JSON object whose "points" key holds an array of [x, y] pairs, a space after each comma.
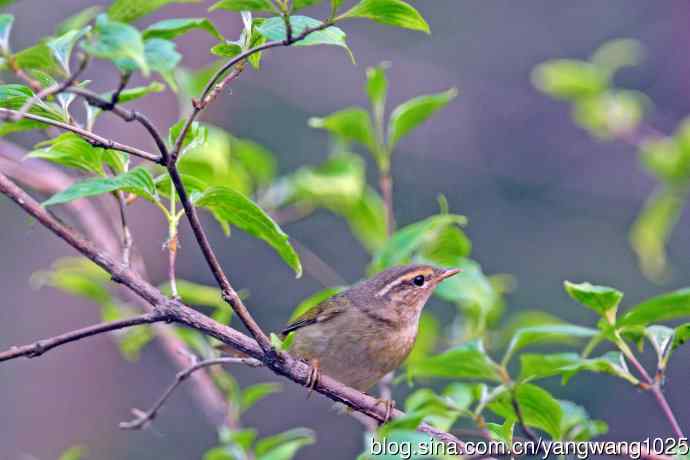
{"points": [[448, 273]]}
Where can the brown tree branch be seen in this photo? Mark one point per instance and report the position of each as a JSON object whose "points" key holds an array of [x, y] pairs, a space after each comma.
{"points": [[38, 348], [175, 311], [95, 139], [48, 179], [142, 419]]}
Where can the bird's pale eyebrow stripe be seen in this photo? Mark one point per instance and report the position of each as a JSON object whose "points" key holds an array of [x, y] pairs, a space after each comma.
{"points": [[403, 277]]}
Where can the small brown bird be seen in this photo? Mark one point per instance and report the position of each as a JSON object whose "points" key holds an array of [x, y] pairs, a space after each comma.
{"points": [[366, 331]]}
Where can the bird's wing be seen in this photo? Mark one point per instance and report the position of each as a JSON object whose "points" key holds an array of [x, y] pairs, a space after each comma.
{"points": [[324, 311]]}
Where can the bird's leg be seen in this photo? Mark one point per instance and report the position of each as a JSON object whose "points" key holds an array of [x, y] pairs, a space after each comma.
{"points": [[313, 377], [389, 405]]}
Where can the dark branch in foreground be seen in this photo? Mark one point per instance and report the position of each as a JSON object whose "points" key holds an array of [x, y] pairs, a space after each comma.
{"points": [[175, 311], [142, 419], [38, 348]]}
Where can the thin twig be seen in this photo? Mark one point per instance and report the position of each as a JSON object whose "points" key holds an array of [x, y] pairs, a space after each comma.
{"points": [[127, 241], [228, 292], [386, 186], [124, 79], [38, 348], [142, 419], [126, 115], [521, 419], [92, 138], [175, 311], [49, 179]]}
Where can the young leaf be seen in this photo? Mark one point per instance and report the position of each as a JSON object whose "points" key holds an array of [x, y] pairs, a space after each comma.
{"points": [[236, 209], [576, 424], [538, 366], [73, 453], [665, 307], [350, 124], [652, 228], [602, 299], [661, 338], [390, 12], [129, 10], [259, 162], [254, 393], [118, 42], [162, 57], [138, 92], [569, 79], [196, 136], [137, 181], [6, 21], [62, 46], [244, 5], [72, 151], [226, 49], [283, 446], [408, 115], [274, 29], [377, 87], [550, 333], [539, 409], [468, 361], [14, 96], [198, 294], [300, 4], [79, 20], [168, 29], [367, 220], [38, 57]]}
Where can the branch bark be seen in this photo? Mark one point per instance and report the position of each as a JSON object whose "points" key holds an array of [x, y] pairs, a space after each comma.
{"points": [[177, 312]]}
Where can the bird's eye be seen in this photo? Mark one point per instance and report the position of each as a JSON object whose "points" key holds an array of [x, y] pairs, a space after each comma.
{"points": [[418, 280]]}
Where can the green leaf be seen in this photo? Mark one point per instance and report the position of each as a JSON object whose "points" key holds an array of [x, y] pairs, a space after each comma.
{"points": [[602, 299], [38, 57], [63, 45], [198, 294], [503, 431], [404, 242], [537, 366], [450, 245], [350, 124], [652, 229], [611, 114], [259, 162], [274, 29], [569, 79], [14, 97], [576, 424], [118, 42], [377, 87], [465, 361], [77, 276], [313, 300], [253, 393], [72, 151], [195, 137], [134, 340], [539, 409], [390, 12], [680, 336], [73, 453], [171, 28], [79, 20], [300, 4], [138, 92], [129, 10], [612, 363], [226, 49], [337, 182], [616, 54], [162, 57], [408, 115], [6, 21], [244, 5], [673, 305], [367, 220], [550, 333], [661, 338], [283, 446], [236, 209], [137, 181]]}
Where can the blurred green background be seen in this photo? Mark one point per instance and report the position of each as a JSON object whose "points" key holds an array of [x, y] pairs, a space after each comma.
{"points": [[544, 201]]}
